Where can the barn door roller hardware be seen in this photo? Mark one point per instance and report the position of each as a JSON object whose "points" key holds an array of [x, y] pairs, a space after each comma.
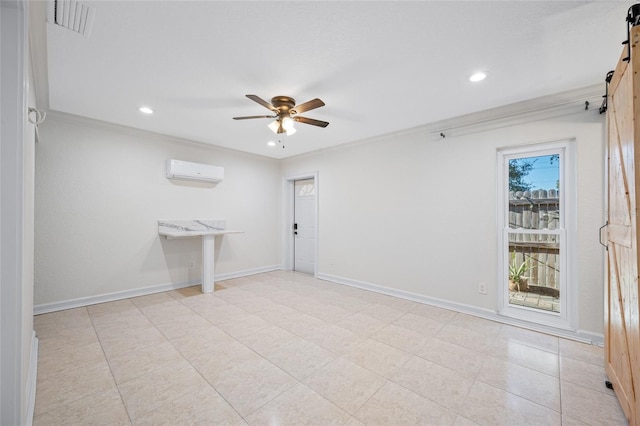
{"points": [[607, 79], [633, 19]]}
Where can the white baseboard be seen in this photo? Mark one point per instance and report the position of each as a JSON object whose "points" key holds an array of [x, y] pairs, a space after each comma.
{"points": [[109, 297], [578, 335], [247, 272], [126, 294], [32, 379]]}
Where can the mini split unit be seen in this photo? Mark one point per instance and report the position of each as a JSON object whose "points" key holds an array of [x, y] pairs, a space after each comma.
{"points": [[185, 170]]}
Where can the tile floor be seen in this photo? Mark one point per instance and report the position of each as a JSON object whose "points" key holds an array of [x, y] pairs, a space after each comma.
{"points": [[282, 348]]}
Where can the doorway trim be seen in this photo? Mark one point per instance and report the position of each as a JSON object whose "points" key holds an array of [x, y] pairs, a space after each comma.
{"points": [[15, 406], [288, 203]]}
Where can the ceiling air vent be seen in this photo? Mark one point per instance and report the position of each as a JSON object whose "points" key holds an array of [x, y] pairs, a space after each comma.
{"points": [[72, 15]]}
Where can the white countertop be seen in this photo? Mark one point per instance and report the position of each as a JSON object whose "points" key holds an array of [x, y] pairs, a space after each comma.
{"points": [[193, 228]]}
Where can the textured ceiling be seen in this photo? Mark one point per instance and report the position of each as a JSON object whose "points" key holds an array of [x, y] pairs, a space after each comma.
{"points": [[379, 66]]}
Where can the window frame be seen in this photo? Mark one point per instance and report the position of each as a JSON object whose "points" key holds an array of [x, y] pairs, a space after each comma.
{"points": [[567, 317]]}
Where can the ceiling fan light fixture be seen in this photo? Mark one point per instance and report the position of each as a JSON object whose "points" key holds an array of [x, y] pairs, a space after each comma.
{"points": [[286, 113], [287, 123], [274, 126]]}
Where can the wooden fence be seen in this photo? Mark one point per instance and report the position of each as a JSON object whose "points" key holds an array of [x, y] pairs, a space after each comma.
{"points": [[538, 209]]}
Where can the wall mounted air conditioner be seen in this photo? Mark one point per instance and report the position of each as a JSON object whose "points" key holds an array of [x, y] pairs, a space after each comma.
{"points": [[185, 170]]}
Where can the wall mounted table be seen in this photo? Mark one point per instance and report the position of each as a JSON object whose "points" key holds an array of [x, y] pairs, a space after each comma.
{"points": [[205, 229]]}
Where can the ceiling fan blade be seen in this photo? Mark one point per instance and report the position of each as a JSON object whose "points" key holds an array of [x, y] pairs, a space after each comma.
{"points": [[254, 116], [307, 106], [311, 121], [262, 102]]}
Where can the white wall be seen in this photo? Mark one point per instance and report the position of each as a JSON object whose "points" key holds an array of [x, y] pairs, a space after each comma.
{"points": [[416, 214], [100, 190]]}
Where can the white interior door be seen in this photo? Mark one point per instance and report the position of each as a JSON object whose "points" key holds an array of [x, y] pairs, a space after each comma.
{"points": [[304, 226]]}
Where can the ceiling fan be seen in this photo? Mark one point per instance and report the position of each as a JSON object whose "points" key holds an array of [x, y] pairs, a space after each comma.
{"points": [[286, 112]]}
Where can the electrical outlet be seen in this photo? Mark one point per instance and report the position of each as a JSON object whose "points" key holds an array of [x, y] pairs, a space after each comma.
{"points": [[482, 288], [192, 264]]}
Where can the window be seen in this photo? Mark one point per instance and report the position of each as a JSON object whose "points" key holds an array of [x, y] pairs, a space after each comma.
{"points": [[536, 215]]}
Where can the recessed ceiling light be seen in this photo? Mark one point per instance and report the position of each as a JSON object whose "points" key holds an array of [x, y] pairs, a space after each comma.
{"points": [[271, 143], [145, 110], [479, 76]]}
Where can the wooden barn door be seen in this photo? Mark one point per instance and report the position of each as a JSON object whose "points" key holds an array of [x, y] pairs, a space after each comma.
{"points": [[622, 330]]}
